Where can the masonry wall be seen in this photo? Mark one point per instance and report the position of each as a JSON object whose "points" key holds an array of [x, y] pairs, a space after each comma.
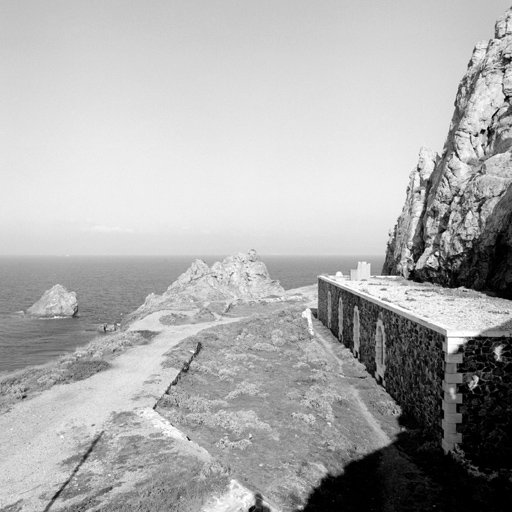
{"points": [[414, 357], [487, 401]]}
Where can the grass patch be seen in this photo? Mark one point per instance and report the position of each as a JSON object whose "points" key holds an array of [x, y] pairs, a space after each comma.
{"points": [[174, 319], [200, 315], [290, 428], [182, 354], [262, 397], [184, 486], [185, 491]]}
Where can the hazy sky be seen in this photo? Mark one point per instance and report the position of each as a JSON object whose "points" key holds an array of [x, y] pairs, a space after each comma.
{"points": [[210, 127]]}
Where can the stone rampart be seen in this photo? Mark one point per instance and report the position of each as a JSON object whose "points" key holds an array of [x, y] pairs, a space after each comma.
{"points": [[456, 384], [412, 354]]}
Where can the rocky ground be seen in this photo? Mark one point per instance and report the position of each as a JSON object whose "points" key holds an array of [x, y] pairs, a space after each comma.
{"points": [[98, 444], [459, 309], [44, 438]]}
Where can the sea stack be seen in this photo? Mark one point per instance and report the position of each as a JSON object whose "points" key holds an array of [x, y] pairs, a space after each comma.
{"points": [[456, 226], [55, 302]]}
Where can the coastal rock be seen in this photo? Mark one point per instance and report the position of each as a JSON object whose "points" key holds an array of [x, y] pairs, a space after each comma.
{"points": [[408, 229], [455, 228], [242, 276], [55, 302]]}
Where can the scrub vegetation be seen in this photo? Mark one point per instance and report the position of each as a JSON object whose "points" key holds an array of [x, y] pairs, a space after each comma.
{"points": [[79, 365], [264, 398], [287, 413]]}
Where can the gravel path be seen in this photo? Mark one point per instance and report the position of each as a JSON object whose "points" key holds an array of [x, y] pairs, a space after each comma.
{"points": [[37, 436]]}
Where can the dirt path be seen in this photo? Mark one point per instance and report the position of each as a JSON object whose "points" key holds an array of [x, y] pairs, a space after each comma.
{"points": [[37, 436], [398, 484], [381, 439], [84, 445]]}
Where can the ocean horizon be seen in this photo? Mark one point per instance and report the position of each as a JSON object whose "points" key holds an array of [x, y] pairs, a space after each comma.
{"points": [[109, 287]]}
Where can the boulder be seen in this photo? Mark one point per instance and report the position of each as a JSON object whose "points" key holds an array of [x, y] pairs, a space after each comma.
{"points": [[55, 302], [242, 276], [455, 228]]}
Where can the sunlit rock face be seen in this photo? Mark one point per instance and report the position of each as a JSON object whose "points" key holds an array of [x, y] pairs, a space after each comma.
{"points": [[242, 276], [408, 230], [455, 228], [55, 302]]}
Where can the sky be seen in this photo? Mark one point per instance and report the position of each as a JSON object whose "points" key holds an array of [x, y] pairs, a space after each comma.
{"points": [[148, 127]]}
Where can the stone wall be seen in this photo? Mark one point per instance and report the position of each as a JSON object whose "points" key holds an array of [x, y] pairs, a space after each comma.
{"points": [[413, 354], [486, 408], [456, 384]]}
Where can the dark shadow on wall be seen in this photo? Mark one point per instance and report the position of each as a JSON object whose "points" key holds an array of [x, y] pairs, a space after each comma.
{"points": [[412, 474], [486, 407]]}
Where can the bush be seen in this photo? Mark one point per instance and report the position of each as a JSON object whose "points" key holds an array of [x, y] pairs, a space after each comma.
{"points": [[82, 369]]}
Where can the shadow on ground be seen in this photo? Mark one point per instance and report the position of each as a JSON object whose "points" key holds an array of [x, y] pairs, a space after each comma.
{"points": [[409, 475]]}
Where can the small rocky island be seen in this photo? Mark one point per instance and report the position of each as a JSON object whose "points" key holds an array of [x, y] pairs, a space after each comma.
{"points": [[55, 302]]}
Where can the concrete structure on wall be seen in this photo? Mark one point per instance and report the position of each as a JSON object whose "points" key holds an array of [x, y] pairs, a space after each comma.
{"points": [[455, 381], [361, 273]]}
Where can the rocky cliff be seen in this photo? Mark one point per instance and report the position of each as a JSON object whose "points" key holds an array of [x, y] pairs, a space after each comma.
{"points": [[242, 276], [455, 228]]}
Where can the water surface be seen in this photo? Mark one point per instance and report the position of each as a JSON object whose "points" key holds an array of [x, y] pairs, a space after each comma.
{"points": [[107, 288]]}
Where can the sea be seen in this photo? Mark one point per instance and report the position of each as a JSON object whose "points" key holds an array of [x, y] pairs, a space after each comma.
{"points": [[109, 287]]}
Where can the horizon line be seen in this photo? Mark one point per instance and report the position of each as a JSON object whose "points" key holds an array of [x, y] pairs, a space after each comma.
{"points": [[181, 255]]}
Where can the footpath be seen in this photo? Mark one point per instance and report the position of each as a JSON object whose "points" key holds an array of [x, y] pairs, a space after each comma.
{"points": [[44, 439], [88, 445]]}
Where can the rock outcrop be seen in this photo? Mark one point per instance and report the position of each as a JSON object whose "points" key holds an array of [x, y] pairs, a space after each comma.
{"points": [[455, 228], [55, 302], [242, 276]]}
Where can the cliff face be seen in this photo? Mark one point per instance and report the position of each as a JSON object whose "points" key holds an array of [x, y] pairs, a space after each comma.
{"points": [[406, 238], [455, 228]]}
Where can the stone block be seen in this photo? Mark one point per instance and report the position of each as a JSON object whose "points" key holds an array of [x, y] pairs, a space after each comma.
{"points": [[453, 438], [452, 345], [450, 408], [450, 367], [453, 418], [450, 387], [453, 358], [453, 399], [447, 447], [453, 378], [449, 428]]}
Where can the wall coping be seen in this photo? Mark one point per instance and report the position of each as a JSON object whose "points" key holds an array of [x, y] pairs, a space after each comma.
{"points": [[430, 324]]}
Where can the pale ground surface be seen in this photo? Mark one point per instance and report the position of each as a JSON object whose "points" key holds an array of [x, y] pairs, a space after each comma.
{"points": [[39, 434], [44, 440]]}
